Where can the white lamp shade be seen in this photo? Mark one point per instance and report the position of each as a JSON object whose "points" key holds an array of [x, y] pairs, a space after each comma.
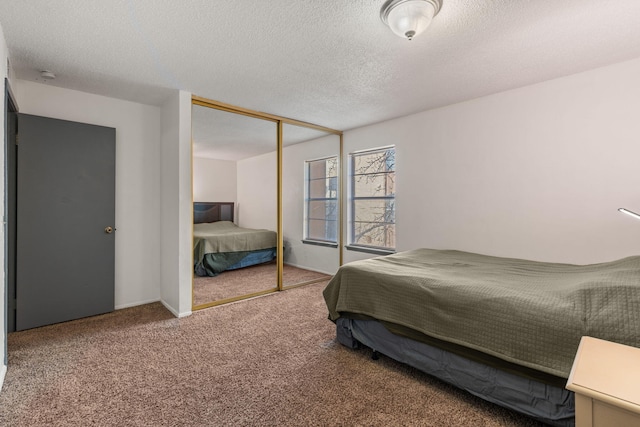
{"points": [[410, 18]]}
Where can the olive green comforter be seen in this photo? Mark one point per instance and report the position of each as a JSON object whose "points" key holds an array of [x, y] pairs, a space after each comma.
{"points": [[225, 236], [525, 312]]}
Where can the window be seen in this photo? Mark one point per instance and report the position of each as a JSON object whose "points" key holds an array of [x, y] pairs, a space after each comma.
{"points": [[321, 201], [372, 196]]}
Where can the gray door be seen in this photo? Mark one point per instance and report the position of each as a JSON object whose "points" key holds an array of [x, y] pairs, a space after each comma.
{"points": [[66, 202]]}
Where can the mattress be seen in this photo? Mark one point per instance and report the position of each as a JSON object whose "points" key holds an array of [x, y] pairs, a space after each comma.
{"points": [[528, 313], [222, 245], [225, 236]]}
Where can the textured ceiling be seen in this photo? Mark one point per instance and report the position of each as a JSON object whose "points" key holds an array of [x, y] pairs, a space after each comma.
{"points": [[330, 62]]}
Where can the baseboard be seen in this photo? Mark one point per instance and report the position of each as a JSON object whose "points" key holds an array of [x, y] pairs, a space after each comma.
{"points": [[3, 372], [174, 311], [310, 269], [134, 304]]}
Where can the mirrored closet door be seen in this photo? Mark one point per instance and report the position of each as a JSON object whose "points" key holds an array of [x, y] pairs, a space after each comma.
{"points": [[266, 203], [310, 205], [235, 206]]}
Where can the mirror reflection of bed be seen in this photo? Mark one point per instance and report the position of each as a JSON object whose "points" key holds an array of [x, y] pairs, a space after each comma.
{"points": [[229, 260], [233, 162]]}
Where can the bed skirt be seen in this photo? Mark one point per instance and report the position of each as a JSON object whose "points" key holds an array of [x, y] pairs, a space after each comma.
{"points": [[546, 403], [215, 263]]}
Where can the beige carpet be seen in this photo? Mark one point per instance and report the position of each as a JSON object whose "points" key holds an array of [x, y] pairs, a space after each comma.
{"points": [[245, 281], [268, 361]]}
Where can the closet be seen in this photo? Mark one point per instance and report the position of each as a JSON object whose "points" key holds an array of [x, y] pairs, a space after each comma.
{"points": [[255, 168]]}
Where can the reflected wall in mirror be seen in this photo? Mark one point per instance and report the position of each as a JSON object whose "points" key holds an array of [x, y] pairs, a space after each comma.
{"points": [[235, 206], [310, 205]]}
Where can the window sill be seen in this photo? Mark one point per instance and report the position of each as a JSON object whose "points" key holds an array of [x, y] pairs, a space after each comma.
{"points": [[370, 250], [320, 243]]}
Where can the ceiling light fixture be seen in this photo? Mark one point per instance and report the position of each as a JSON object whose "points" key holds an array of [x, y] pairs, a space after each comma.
{"points": [[47, 75], [408, 18]]}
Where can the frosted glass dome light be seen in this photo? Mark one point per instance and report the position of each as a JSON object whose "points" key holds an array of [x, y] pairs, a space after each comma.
{"points": [[408, 18]]}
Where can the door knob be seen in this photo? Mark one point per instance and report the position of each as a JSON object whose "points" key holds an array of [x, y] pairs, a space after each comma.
{"points": [[108, 230]]}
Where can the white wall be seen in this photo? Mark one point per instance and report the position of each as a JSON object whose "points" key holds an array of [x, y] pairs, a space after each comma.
{"points": [[537, 172], [257, 192], [176, 257], [137, 266], [153, 187], [214, 180], [3, 305], [318, 258]]}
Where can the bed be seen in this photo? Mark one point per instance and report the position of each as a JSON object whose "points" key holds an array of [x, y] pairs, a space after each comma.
{"points": [[220, 245], [504, 329]]}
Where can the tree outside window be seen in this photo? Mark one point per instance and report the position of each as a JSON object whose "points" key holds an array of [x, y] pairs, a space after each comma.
{"points": [[373, 199]]}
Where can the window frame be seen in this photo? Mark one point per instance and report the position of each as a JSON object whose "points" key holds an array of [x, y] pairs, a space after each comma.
{"points": [[308, 199], [353, 198]]}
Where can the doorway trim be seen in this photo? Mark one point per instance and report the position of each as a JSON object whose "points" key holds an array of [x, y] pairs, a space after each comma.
{"points": [[10, 106]]}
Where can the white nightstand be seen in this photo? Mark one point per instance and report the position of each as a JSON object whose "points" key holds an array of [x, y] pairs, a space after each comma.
{"points": [[606, 380]]}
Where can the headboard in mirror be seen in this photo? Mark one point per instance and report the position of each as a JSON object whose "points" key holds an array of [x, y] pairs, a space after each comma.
{"points": [[212, 212]]}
